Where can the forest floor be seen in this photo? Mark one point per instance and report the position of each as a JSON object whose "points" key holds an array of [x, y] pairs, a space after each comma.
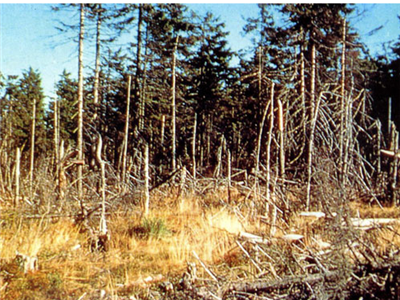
{"points": [[155, 257]]}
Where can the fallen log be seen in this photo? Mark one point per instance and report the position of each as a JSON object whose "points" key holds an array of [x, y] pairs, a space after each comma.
{"points": [[390, 153], [367, 224], [282, 284]]}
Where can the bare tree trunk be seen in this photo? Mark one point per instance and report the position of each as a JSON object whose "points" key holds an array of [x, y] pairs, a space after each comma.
{"points": [[313, 118], [162, 130], [126, 131], [146, 180], [260, 132], [303, 84], [217, 171], [269, 142], [394, 164], [138, 91], [56, 139], [32, 156], [80, 100], [17, 176], [173, 90], [97, 64], [259, 73], [311, 151], [389, 115], [103, 222], [378, 147], [343, 109], [162, 140], [181, 191], [281, 140], [313, 80], [194, 147]]}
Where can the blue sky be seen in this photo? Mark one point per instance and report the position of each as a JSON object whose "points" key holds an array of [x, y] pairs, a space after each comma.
{"points": [[28, 37]]}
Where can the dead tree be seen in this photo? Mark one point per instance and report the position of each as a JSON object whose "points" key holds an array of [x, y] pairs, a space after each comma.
{"points": [[80, 99], [17, 176], [32, 154], [173, 105], [126, 131]]}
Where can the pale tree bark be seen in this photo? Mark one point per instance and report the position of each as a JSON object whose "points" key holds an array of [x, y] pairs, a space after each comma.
{"points": [[394, 147], [194, 147], [80, 100], [313, 119], [146, 180], [378, 147], [343, 107], [261, 125], [313, 80], [311, 152], [138, 91], [173, 91], [389, 116], [269, 142], [97, 64], [103, 222], [56, 138], [32, 154], [259, 72], [281, 128], [303, 83], [218, 168], [126, 131], [17, 176], [162, 130]]}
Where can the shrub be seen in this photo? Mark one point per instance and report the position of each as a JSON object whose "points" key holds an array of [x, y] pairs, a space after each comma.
{"points": [[154, 228]]}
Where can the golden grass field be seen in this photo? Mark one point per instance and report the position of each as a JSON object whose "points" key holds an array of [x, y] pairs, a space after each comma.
{"points": [[69, 269]]}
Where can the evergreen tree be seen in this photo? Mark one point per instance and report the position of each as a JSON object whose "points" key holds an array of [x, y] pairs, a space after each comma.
{"points": [[21, 96], [66, 91], [210, 81]]}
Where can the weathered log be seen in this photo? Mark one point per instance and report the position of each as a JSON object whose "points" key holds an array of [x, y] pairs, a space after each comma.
{"points": [[285, 283], [366, 224]]}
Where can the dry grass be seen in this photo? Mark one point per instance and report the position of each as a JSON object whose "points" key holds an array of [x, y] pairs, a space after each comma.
{"points": [[158, 246], [67, 264]]}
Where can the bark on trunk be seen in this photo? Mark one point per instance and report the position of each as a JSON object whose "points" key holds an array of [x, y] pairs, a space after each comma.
{"points": [[32, 155], [126, 131], [80, 100], [173, 90]]}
